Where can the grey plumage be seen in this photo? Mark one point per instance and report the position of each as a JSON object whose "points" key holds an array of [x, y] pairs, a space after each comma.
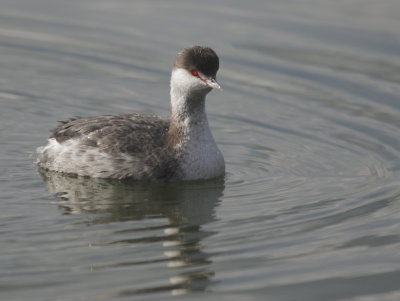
{"points": [[136, 143], [146, 147], [128, 133]]}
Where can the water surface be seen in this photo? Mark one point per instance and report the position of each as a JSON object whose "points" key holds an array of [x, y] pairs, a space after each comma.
{"points": [[308, 124]]}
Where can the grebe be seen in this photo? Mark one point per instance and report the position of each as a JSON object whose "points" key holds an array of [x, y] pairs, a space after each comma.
{"points": [[143, 147]]}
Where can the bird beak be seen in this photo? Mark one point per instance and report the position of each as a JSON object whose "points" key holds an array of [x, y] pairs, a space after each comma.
{"points": [[211, 82]]}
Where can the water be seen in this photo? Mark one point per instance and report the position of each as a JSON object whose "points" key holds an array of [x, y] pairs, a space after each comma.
{"points": [[308, 123]]}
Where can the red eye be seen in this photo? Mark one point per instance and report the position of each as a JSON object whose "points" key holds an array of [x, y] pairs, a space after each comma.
{"points": [[195, 73]]}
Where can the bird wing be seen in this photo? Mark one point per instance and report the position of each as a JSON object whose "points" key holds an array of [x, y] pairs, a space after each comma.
{"points": [[128, 133]]}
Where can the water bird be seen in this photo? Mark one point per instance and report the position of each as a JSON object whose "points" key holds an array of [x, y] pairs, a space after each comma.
{"points": [[145, 147]]}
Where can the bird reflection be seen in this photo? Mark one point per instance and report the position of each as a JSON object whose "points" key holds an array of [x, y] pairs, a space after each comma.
{"points": [[187, 206]]}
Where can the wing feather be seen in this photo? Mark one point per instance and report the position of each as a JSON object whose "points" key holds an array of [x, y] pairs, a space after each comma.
{"points": [[133, 134]]}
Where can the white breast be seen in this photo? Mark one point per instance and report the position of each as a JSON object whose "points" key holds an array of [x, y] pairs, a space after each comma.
{"points": [[201, 157]]}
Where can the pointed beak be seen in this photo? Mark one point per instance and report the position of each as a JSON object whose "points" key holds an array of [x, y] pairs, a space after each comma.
{"points": [[211, 82]]}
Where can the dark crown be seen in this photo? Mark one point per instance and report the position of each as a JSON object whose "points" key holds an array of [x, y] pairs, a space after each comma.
{"points": [[203, 59]]}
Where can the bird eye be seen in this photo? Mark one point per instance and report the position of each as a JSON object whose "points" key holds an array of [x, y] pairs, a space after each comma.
{"points": [[195, 73]]}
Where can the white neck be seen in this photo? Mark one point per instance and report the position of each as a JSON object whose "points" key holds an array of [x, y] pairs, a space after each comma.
{"points": [[188, 103], [201, 156]]}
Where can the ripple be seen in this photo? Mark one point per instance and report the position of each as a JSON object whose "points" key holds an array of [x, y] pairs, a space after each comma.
{"points": [[312, 179]]}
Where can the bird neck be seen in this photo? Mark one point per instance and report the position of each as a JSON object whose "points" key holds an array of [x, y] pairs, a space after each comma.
{"points": [[188, 117]]}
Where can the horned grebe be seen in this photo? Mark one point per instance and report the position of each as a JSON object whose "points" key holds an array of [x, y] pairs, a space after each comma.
{"points": [[146, 147]]}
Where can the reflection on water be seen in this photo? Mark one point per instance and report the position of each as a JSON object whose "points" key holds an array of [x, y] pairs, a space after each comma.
{"points": [[187, 207]]}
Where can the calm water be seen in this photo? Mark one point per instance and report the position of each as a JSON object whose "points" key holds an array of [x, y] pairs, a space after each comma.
{"points": [[309, 124]]}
